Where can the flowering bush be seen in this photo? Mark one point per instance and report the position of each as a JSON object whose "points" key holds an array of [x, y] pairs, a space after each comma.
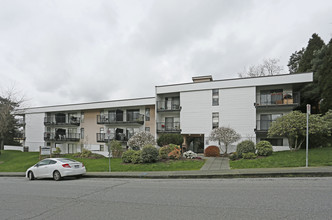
{"points": [[175, 154], [189, 154], [212, 151], [164, 151], [140, 139]]}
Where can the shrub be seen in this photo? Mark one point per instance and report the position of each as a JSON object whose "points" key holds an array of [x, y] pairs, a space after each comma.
{"points": [[136, 157], [175, 154], [85, 153], [245, 147], [57, 151], [166, 139], [189, 154], [126, 156], [249, 155], [140, 139], [212, 151], [164, 151], [264, 148], [149, 154], [116, 148], [233, 156]]}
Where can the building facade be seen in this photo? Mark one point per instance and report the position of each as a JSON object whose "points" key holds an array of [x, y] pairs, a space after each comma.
{"points": [[248, 105]]}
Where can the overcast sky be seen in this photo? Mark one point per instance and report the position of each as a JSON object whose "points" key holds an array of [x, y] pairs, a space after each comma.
{"points": [[60, 51]]}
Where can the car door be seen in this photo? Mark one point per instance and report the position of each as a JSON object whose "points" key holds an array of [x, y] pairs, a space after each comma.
{"points": [[41, 168]]}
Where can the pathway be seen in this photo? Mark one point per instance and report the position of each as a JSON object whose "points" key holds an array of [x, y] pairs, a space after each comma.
{"points": [[216, 163]]}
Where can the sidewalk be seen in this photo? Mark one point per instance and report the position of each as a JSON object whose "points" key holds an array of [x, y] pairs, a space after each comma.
{"points": [[199, 174]]}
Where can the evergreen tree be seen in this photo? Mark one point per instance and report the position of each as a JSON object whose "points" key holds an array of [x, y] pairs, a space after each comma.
{"points": [[294, 61], [310, 93], [323, 67]]}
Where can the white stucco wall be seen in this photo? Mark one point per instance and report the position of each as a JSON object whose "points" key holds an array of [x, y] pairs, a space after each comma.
{"points": [[236, 110], [34, 131]]}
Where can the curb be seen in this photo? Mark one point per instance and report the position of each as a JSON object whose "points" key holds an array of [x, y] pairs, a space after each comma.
{"points": [[193, 176]]}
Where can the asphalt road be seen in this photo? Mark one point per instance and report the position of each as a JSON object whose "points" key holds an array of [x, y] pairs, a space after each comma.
{"points": [[275, 198]]}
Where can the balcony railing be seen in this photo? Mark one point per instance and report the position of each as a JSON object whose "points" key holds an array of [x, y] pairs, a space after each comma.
{"points": [[278, 99], [168, 127], [62, 120], [19, 136], [73, 137], [132, 118], [263, 125], [103, 137], [168, 106]]}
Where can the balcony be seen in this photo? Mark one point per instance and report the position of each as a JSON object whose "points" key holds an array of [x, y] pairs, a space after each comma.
{"points": [[169, 127], [262, 126], [69, 137], [168, 106], [19, 136], [103, 137], [62, 120], [132, 118], [278, 99]]}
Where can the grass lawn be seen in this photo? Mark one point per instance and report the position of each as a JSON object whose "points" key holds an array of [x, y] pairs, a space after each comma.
{"points": [[16, 161], [317, 157]]}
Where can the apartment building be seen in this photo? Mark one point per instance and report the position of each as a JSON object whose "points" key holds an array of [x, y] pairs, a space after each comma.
{"points": [[248, 105]]}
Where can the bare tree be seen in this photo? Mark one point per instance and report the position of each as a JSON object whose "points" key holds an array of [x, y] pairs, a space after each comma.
{"points": [[269, 67], [225, 135], [9, 103]]}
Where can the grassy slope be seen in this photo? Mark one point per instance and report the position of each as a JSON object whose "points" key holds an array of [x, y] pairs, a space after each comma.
{"points": [[16, 161], [317, 157]]}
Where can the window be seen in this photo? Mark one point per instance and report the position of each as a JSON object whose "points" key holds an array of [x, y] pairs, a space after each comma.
{"points": [[215, 120], [271, 97], [215, 97], [102, 148], [147, 114], [274, 141], [82, 117], [82, 133], [267, 119], [147, 129], [48, 144]]}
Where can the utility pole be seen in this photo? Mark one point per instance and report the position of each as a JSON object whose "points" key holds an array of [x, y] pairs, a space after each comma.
{"points": [[307, 136]]}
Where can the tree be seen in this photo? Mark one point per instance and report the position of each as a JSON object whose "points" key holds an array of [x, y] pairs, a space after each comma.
{"points": [[224, 135], [140, 139], [8, 124], [269, 67], [293, 127], [322, 64], [310, 93], [294, 61]]}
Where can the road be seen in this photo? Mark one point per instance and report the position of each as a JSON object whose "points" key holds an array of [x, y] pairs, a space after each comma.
{"points": [[274, 198]]}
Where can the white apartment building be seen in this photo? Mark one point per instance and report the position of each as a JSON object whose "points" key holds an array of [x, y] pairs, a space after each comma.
{"points": [[248, 105]]}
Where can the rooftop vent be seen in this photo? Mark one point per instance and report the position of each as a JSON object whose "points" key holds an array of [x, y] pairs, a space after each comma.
{"points": [[202, 79]]}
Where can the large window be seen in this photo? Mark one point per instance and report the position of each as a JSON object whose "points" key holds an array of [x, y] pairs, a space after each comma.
{"points": [[215, 97], [267, 119], [274, 141], [215, 120], [271, 97]]}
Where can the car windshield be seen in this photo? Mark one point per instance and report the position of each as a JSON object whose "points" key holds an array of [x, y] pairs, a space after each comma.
{"points": [[66, 160]]}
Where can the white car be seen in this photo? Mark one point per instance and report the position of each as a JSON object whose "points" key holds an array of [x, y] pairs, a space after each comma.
{"points": [[56, 168]]}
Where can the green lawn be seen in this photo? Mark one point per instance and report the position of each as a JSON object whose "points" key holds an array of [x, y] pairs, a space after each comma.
{"points": [[16, 161], [317, 157]]}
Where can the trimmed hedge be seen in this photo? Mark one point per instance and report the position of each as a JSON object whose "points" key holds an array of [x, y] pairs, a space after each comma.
{"points": [[264, 148], [212, 151], [245, 147], [249, 155], [166, 139], [127, 155], [136, 157]]}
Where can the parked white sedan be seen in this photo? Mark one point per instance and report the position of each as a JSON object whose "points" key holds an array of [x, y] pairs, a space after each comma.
{"points": [[56, 168]]}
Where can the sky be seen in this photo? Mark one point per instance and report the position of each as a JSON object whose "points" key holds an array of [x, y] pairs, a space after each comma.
{"points": [[60, 52]]}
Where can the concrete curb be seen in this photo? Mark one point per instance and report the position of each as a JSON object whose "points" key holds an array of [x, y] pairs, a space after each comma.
{"points": [[222, 174]]}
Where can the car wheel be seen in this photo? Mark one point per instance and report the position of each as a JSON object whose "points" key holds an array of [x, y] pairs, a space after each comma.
{"points": [[31, 176], [56, 175]]}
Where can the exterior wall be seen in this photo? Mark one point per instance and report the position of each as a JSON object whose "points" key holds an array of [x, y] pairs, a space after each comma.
{"points": [[34, 131], [152, 122], [91, 128]]}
